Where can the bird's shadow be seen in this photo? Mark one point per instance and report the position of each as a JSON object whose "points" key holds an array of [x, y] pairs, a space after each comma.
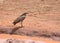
{"points": [[15, 29]]}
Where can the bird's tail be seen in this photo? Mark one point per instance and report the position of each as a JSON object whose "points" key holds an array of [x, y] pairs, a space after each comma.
{"points": [[14, 23]]}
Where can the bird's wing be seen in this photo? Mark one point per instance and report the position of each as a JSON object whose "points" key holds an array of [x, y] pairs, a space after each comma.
{"points": [[20, 18]]}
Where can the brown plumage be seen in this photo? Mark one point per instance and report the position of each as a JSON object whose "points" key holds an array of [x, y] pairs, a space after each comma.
{"points": [[20, 19]]}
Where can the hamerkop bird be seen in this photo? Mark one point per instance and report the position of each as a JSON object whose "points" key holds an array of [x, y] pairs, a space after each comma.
{"points": [[20, 19]]}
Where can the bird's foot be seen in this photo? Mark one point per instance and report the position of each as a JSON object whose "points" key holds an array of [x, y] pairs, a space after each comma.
{"points": [[22, 26]]}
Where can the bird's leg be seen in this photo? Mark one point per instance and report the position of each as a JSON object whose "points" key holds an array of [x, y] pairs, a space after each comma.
{"points": [[21, 24]]}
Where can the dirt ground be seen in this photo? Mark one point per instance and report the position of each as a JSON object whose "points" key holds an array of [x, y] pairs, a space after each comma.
{"points": [[42, 20], [26, 38]]}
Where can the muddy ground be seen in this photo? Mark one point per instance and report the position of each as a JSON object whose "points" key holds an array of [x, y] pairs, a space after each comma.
{"points": [[32, 33]]}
